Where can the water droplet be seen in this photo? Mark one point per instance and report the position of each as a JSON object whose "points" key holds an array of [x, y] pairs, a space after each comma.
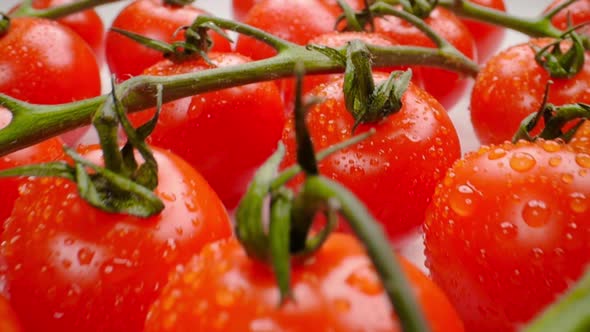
{"points": [[578, 202], [508, 229], [341, 305], [462, 200], [85, 256], [365, 281], [583, 159], [108, 269], [170, 197], [554, 161], [551, 146], [535, 213], [522, 162], [537, 253], [225, 297], [58, 315], [496, 154], [567, 178], [66, 263]]}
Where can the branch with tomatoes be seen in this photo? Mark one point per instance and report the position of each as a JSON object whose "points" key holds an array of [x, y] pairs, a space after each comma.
{"points": [[149, 208]]}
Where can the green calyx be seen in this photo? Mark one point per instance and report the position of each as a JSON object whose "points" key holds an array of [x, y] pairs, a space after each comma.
{"points": [[178, 2], [419, 8], [560, 64], [555, 119], [366, 101]]}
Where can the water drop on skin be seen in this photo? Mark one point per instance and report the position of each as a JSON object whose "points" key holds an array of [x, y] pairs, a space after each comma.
{"points": [[522, 162], [583, 159], [535, 213], [462, 200], [578, 202]]}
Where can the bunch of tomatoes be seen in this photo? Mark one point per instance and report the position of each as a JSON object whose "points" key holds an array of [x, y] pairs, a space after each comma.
{"points": [[506, 228]]}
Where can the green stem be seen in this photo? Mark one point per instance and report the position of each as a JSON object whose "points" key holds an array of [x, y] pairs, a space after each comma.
{"points": [[367, 229], [535, 27], [570, 314], [58, 11], [140, 92]]}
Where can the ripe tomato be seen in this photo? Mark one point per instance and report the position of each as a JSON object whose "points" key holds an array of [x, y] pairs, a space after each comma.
{"points": [[8, 320], [488, 37], [507, 232], [579, 12], [81, 269], [340, 39], [297, 21], [394, 171], [154, 19], [511, 86], [42, 62], [87, 24], [49, 150], [226, 135], [337, 289], [446, 86], [241, 7]]}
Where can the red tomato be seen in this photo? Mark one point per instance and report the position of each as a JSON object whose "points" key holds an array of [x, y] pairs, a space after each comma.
{"points": [[446, 86], [394, 171], [81, 269], [297, 21], [488, 37], [507, 232], [511, 86], [340, 39], [579, 12], [154, 19], [335, 290], [87, 24], [43, 62], [241, 7], [48, 150], [226, 135], [8, 320]]}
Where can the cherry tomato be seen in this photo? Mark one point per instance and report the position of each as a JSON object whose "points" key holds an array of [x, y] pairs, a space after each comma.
{"points": [[335, 290], [488, 37], [511, 86], [87, 24], [8, 320], [226, 135], [45, 63], [507, 232], [241, 7], [81, 269], [393, 172], [48, 150], [447, 87], [578, 12], [340, 39], [154, 19], [297, 21]]}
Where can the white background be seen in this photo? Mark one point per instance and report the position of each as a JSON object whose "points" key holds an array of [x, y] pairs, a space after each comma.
{"points": [[459, 114]]}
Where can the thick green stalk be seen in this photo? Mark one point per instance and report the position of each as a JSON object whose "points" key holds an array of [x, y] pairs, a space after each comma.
{"points": [[58, 11], [367, 229]]}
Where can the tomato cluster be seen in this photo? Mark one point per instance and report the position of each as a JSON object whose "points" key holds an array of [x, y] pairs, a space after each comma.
{"points": [[505, 227]]}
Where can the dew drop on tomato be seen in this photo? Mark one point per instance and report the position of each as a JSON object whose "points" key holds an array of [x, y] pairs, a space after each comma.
{"points": [[536, 213], [579, 203]]}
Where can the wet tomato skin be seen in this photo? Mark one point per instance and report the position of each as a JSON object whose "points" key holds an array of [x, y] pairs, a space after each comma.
{"points": [[511, 86], [506, 233], [8, 320], [224, 134], [153, 19], [393, 172], [43, 62], [578, 12], [337, 289], [81, 269]]}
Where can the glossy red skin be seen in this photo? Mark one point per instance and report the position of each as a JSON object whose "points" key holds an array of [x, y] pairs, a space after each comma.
{"points": [[241, 7], [43, 62], [446, 86], [508, 231], [335, 290], [81, 269], [297, 21], [579, 12], [488, 37], [8, 320], [394, 172], [511, 86], [45, 151], [340, 39], [87, 24], [153, 19], [226, 135]]}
